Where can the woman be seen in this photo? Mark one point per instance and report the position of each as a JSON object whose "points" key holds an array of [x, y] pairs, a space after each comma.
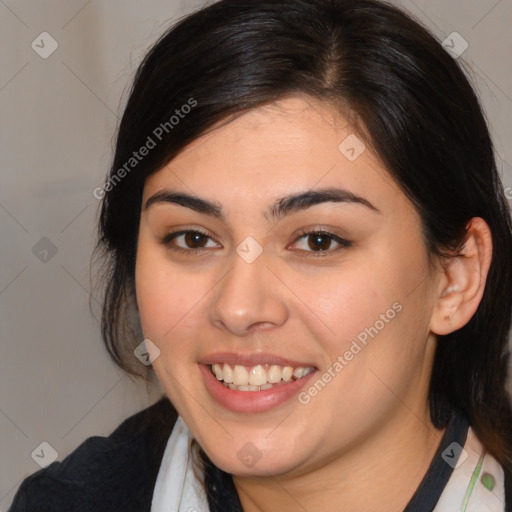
{"points": [[305, 224]]}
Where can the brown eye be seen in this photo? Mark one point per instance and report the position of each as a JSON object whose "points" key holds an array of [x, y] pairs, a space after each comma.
{"points": [[188, 241], [320, 241], [194, 239]]}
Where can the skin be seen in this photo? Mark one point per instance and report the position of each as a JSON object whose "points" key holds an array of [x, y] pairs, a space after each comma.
{"points": [[368, 433]]}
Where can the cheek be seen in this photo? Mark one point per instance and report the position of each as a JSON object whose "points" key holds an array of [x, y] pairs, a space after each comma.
{"points": [[168, 300], [169, 304], [347, 301], [372, 313]]}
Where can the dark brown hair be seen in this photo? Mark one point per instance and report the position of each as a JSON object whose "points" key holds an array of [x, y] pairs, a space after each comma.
{"points": [[420, 115]]}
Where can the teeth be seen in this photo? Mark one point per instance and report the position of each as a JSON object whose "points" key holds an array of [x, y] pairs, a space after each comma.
{"points": [[298, 372], [258, 377], [218, 371], [240, 376], [287, 373], [227, 373], [274, 374], [248, 388], [301, 372]]}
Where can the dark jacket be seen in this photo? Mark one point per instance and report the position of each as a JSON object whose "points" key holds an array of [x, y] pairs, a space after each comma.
{"points": [[132, 454]]}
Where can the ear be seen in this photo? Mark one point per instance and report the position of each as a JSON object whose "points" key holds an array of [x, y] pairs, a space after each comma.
{"points": [[462, 282]]}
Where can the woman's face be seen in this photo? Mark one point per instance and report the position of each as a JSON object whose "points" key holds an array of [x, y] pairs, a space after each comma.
{"points": [[255, 294]]}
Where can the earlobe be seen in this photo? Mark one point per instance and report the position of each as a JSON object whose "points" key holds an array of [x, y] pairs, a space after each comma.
{"points": [[463, 279]]}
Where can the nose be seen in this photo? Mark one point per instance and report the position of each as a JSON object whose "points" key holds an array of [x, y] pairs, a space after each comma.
{"points": [[249, 297]]}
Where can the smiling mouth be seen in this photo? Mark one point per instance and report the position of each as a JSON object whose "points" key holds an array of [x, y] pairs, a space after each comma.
{"points": [[259, 377]]}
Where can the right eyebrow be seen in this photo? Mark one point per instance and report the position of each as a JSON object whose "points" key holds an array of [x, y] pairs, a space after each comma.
{"points": [[188, 201]]}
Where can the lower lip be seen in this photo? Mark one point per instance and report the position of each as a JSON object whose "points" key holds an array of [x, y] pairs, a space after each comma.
{"points": [[251, 401]]}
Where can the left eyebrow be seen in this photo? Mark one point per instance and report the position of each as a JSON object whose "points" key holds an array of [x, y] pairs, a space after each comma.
{"points": [[296, 202], [281, 208]]}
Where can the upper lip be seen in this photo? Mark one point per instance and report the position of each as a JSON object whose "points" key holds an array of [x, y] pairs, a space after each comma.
{"points": [[252, 359]]}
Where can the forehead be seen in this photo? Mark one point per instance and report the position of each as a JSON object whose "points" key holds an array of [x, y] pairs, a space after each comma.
{"points": [[283, 147]]}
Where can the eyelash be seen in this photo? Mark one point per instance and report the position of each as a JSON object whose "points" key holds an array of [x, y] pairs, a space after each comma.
{"points": [[167, 239], [343, 244]]}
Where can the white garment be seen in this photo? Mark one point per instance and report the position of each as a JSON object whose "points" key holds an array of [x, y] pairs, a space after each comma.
{"points": [[481, 499], [177, 489]]}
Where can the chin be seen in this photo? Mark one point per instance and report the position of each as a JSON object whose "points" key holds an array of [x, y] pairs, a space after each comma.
{"points": [[251, 462]]}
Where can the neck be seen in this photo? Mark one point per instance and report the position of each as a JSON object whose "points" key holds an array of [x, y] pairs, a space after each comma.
{"points": [[391, 464]]}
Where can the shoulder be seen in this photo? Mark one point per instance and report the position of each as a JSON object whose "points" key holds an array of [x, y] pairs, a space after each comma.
{"points": [[117, 472], [478, 482]]}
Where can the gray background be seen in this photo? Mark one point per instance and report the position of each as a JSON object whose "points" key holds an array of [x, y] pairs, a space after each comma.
{"points": [[58, 116]]}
